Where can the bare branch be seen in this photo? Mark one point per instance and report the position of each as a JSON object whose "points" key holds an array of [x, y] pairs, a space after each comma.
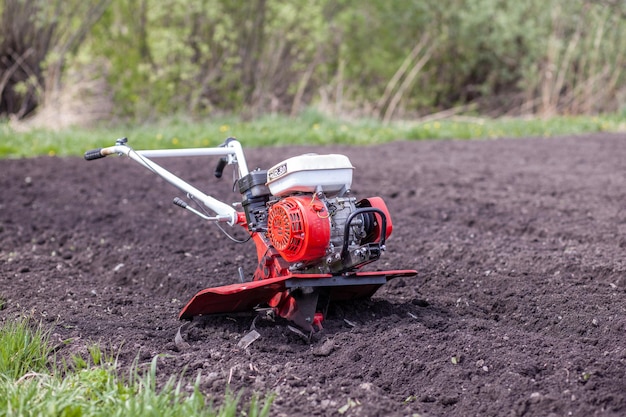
{"points": [[19, 62]]}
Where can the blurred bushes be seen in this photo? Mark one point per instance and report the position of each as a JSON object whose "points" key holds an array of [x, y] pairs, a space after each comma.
{"points": [[383, 59]]}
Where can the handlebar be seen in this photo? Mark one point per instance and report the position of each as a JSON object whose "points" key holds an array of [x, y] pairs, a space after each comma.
{"points": [[230, 150], [102, 152], [92, 154]]}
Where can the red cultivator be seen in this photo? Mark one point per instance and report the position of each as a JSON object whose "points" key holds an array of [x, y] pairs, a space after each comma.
{"points": [[311, 236]]}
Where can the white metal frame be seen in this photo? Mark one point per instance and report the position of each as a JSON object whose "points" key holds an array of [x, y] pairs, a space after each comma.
{"points": [[232, 149]]}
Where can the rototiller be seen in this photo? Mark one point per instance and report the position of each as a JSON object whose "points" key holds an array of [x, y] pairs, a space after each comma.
{"points": [[311, 236]]}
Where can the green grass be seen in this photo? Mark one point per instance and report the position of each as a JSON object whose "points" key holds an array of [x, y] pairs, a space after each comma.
{"points": [[311, 128], [30, 384], [22, 349]]}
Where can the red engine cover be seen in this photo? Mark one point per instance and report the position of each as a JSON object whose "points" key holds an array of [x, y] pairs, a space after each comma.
{"points": [[299, 228]]}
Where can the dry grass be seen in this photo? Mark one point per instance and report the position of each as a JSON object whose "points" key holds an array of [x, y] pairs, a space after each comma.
{"points": [[84, 99]]}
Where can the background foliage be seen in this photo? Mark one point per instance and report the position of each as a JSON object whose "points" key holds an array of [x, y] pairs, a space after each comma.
{"points": [[384, 59]]}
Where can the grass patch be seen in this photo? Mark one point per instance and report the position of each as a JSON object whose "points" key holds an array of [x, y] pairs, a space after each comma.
{"points": [[23, 349], [30, 386], [311, 128]]}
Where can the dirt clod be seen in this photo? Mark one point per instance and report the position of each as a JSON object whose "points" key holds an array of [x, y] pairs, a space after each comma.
{"points": [[325, 348]]}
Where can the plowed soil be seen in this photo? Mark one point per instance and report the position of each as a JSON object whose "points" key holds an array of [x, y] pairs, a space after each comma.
{"points": [[518, 308]]}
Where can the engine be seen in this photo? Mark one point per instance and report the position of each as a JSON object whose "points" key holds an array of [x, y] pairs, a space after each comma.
{"points": [[303, 208]]}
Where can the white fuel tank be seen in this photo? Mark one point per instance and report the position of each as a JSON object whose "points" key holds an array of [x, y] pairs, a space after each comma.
{"points": [[310, 173]]}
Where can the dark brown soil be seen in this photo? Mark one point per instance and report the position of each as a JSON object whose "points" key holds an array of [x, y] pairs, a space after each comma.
{"points": [[518, 307]]}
